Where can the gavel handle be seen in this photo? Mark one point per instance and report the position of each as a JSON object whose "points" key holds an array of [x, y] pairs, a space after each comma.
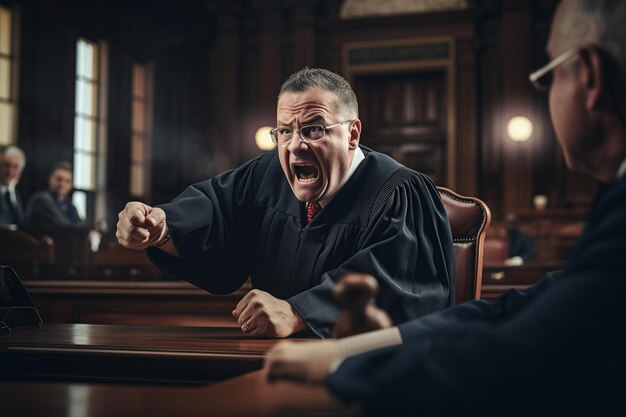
{"points": [[350, 323]]}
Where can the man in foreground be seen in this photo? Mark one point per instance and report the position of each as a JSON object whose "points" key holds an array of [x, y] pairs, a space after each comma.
{"points": [[297, 219], [560, 347]]}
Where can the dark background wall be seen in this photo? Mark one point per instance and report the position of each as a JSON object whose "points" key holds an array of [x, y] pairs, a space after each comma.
{"points": [[218, 66]]}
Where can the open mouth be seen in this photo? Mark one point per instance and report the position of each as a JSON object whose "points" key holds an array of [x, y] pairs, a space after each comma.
{"points": [[306, 173]]}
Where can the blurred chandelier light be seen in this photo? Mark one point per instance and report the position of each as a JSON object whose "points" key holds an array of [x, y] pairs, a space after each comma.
{"points": [[519, 128], [263, 139]]}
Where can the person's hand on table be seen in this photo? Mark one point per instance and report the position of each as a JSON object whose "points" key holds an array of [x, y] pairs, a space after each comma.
{"points": [[262, 315]]}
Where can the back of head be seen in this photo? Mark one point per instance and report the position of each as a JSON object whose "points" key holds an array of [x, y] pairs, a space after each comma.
{"points": [[589, 110], [595, 21], [321, 78]]}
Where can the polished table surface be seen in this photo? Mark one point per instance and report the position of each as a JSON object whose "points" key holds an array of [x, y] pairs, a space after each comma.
{"points": [[129, 353], [249, 395]]}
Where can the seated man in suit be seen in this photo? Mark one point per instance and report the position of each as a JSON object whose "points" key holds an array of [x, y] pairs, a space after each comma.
{"points": [[296, 219], [560, 347], [521, 245], [12, 161], [54, 206]]}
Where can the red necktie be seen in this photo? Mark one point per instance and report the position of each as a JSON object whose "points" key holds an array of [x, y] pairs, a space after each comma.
{"points": [[311, 210]]}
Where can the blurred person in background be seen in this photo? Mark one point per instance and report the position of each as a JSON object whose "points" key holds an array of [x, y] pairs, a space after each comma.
{"points": [[12, 162], [54, 205]]}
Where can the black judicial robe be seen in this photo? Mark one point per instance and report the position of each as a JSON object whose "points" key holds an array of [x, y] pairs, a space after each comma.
{"points": [[557, 349], [386, 220]]}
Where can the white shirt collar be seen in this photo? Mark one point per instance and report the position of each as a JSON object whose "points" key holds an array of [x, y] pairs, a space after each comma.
{"points": [[621, 170], [357, 158], [10, 188]]}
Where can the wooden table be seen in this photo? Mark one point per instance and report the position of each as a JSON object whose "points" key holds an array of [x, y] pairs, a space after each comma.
{"points": [[129, 353], [249, 395], [152, 303]]}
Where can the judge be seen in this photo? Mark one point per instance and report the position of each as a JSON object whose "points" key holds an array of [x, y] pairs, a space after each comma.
{"points": [[297, 219], [560, 347]]}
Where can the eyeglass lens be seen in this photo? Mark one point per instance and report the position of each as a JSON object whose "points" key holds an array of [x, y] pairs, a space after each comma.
{"points": [[307, 133]]}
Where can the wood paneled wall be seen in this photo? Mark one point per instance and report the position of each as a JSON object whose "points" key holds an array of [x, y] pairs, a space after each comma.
{"points": [[219, 64]]}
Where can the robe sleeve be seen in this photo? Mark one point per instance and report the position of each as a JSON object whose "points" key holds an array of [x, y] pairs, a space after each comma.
{"points": [[507, 305], [407, 247], [538, 357], [209, 223]]}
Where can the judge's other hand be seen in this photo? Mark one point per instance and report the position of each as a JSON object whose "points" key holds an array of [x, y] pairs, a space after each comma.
{"points": [[140, 226], [262, 315], [301, 361]]}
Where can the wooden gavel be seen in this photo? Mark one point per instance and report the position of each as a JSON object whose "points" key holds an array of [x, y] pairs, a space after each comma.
{"points": [[354, 293]]}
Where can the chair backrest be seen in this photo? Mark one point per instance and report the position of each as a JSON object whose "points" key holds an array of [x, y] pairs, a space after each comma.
{"points": [[469, 220]]}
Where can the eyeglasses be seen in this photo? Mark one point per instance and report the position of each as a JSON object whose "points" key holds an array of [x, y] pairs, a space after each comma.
{"points": [[542, 78], [310, 133]]}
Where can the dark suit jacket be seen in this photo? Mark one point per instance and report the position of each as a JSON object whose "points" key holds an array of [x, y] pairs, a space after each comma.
{"points": [[44, 210], [4, 211], [559, 347]]}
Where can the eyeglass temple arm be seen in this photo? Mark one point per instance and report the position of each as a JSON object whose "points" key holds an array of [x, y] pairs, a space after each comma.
{"points": [[553, 64]]}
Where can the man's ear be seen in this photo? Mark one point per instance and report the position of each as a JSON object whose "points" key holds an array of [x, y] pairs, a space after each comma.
{"points": [[592, 76], [355, 134]]}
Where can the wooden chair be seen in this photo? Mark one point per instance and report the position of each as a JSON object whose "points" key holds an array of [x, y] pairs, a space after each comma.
{"points": [[25, 253], [469, 220]]}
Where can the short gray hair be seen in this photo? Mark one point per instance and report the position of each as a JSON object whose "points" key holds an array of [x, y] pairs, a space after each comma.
{"points": [[318, 77], [601, 21], [15, 151]]}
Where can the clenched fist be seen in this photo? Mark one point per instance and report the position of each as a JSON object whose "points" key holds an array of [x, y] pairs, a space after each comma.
{"points": [[141, 226]]}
